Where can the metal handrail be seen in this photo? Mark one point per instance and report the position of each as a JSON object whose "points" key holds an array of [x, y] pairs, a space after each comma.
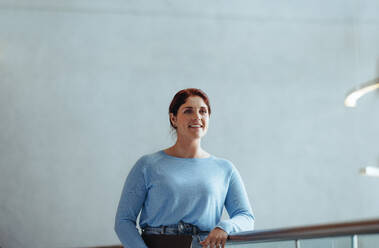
{"points": [[307, 232], [352, 229]]}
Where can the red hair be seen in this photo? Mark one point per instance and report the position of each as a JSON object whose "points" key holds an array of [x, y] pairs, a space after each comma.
{"points": [[181, 97]]}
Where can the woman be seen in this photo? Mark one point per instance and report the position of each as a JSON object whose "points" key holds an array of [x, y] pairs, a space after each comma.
{"points": [[182, 190]]}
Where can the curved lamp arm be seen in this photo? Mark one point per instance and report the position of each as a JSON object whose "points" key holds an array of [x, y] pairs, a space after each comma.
{"points": [[352, 98]]}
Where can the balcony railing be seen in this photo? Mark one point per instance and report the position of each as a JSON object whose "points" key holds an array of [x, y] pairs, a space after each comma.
{"points": [[358, 234]]}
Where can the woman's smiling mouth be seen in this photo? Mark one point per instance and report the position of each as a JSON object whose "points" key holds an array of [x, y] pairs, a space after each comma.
{"points": [[195, 126]]}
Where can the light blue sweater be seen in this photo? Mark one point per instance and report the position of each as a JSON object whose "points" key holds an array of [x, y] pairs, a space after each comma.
{"points": [[170, 189]]}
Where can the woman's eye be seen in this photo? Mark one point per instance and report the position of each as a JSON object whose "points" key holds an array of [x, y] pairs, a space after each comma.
{"points": [[203, 111], [188, 111]]}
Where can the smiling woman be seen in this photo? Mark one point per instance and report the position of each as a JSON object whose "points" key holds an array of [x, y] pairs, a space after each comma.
{"points": [[183, 189]]}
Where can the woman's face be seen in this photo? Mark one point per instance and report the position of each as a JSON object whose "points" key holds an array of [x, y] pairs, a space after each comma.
{"points": [[192, 118]]}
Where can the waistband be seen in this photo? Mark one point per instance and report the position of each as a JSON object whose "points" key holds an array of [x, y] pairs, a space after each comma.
{"points": [[180, 228]]}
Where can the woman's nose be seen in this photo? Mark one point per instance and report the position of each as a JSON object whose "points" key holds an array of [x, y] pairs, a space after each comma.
{"points": [[197, 116]]}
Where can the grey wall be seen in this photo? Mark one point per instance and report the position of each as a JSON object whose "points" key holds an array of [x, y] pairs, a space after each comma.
{"points": [[85, 87]]}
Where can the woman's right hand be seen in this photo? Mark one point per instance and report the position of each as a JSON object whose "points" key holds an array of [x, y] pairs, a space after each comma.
{"points": [[216, 238]]}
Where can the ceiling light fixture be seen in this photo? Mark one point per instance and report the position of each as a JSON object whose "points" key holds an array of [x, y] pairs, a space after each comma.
{"points": [[370, 171]]}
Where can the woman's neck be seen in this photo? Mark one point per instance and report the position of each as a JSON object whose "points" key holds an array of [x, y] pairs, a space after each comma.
{"points": [[184, 149]]}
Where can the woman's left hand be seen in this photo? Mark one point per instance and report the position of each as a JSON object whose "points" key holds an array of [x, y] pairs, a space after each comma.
{"points": [[216, 238]]}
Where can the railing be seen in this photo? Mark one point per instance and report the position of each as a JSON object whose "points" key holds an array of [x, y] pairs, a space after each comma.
{"points": [[358, 234]]}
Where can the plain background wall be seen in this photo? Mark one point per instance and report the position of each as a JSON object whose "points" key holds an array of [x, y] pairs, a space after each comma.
{"points": [[85, 87]]}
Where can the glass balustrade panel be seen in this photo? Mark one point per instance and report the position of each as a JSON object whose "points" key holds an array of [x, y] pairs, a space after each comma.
{"points": [[329, 242], [279, 244], [368, 241], [364, 241]]}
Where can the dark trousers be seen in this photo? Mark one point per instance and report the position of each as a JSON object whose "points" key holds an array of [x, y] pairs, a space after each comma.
{"points": [[167, 241]]}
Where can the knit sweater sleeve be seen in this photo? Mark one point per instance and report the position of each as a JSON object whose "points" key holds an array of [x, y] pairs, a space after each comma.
{"points": [[238, 207], [132, 199]]}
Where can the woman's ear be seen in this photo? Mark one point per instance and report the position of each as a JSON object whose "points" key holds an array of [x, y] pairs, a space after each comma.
{"points": [[173, 119]]}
